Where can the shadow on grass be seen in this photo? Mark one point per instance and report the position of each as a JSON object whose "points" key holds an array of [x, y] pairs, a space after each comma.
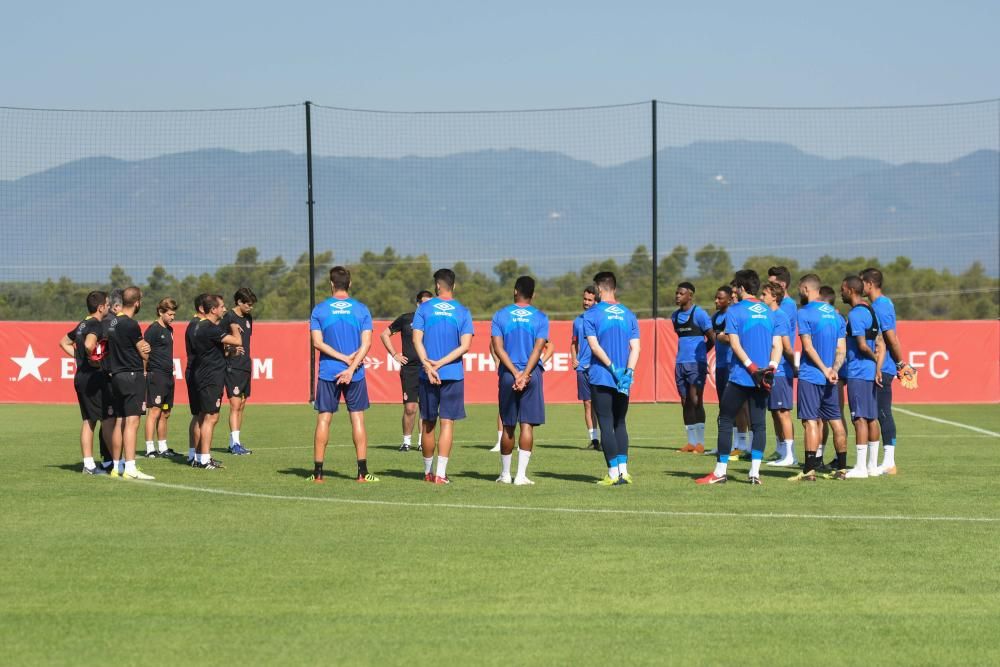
{"points": [[567, 477], [305, 473]]}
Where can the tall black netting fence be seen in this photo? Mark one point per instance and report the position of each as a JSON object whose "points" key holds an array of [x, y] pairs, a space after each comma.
{"points": [[176, 201], [555, 193], [836, 190]]}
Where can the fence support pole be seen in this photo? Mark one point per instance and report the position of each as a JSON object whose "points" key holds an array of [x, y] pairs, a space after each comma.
{"points": [[312, 246], [655, 248]]}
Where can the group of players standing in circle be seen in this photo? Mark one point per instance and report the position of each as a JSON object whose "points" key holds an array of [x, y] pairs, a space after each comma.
{"points": [[123, 373]]}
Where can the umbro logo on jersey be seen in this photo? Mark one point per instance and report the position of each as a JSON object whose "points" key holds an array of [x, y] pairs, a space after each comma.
{"points": [[614, 310], [521, 312], [340, 305], [826, 308], [444, 306], [758, 308]]}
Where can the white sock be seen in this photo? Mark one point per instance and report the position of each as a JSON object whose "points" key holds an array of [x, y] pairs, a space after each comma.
{"points": [[862, 455], [788, 449], [428, 464], [779, 447], [692, 434], [116, 465], [593, 433], [755, 468], [191, 453], [407, 440], [88, 462], [442, 466], [623, 468], [613, 472], [149, 446], [499, 435], [505, 464], [523, 456], [204, 458], [161, 445], [872, 454], [889, 456], [699, 433], [745, 441], [720, 468], [819, 451], [234, 438], [130, 466]]}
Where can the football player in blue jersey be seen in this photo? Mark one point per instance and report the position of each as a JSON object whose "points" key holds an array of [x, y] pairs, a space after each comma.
{"points": [[442, 333], [828, 294], [780, 400], [756, 350], [895, 362], [612, 331], [341, 330], [519, 333], [862, 332], [580, 352], [724, 299], [695, 337], [785, 432], [822, 333]]}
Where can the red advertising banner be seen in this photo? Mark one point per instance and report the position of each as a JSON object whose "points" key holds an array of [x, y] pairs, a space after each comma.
{"points": [[959, 362]]}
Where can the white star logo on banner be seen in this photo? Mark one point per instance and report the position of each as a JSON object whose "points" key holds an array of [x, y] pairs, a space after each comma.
{"points": [[29, 364]]}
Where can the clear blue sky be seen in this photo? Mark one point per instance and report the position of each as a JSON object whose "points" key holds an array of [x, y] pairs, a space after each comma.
{"points": [[447, 55], [499, 55]]}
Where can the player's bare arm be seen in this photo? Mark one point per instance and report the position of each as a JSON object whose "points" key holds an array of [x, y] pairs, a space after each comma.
{"points": [[67, 346]]}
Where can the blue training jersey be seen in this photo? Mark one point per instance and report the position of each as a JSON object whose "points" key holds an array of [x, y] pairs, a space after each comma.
{"points": [[782, 327], [444, 322], [825, 326], [691, 326], [885, 311], [341, 321], [520, 327], [582, 346], [790, 310], [614, 326], [723, 351], [752, 322], [860, 323]]}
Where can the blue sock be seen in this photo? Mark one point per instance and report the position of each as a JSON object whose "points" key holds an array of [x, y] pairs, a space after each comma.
{"points": [[756, 455], [724, 458]]}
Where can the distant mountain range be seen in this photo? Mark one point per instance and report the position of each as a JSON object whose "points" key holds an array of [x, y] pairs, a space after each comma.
{"points": [[192, 211]]}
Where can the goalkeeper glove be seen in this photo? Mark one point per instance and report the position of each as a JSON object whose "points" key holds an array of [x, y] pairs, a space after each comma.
{"points": [[907, 375], [625, 381], [763, 378]]}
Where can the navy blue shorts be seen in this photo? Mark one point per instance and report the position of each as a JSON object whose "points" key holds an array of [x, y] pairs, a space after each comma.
{"points": [[721, 380], [781, 394], [328, 394], [444, 401], [818, 401], [862, 399], [521, 407], [690, 375], [582, 386]]}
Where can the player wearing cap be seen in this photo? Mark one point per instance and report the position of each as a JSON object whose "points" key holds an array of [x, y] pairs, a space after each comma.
{"points": [[409, 367], [695, 337], [756, 349], [442, 333], [88, 381]]}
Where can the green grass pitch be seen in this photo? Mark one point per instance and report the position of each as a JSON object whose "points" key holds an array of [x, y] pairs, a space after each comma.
{"points": [[254, 565]]}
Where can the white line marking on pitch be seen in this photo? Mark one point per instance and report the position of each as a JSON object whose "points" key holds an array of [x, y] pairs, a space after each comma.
{"points": [[945, 421], [578, 510]]}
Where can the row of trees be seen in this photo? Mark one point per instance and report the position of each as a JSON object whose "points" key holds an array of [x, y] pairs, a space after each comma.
{"points": [[387, 282]]}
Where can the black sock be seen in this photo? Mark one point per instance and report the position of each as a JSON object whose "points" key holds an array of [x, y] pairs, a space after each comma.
{"points": [[810, 461], [362, 467], [318, 468], [842, 460]]}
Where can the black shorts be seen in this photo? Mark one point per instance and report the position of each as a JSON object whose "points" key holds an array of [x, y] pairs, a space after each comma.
{"points": [[237, 383], [93, 395], [409, 378], [159, 391], [192, 391], [209, 399], [128, 394]]}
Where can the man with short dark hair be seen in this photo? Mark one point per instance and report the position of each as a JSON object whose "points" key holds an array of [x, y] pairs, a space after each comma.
{"points": [[208, 345], [894, 363], [442, 333], [779, 401], [238, 321], [160, 379], [695, 337], [580, 352], [194, 427], [823, 351], [519, 333], [409, 368], [861, 363], [88, 381], [612, 332], [127, 354], [341, 330], [756, 347]]}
